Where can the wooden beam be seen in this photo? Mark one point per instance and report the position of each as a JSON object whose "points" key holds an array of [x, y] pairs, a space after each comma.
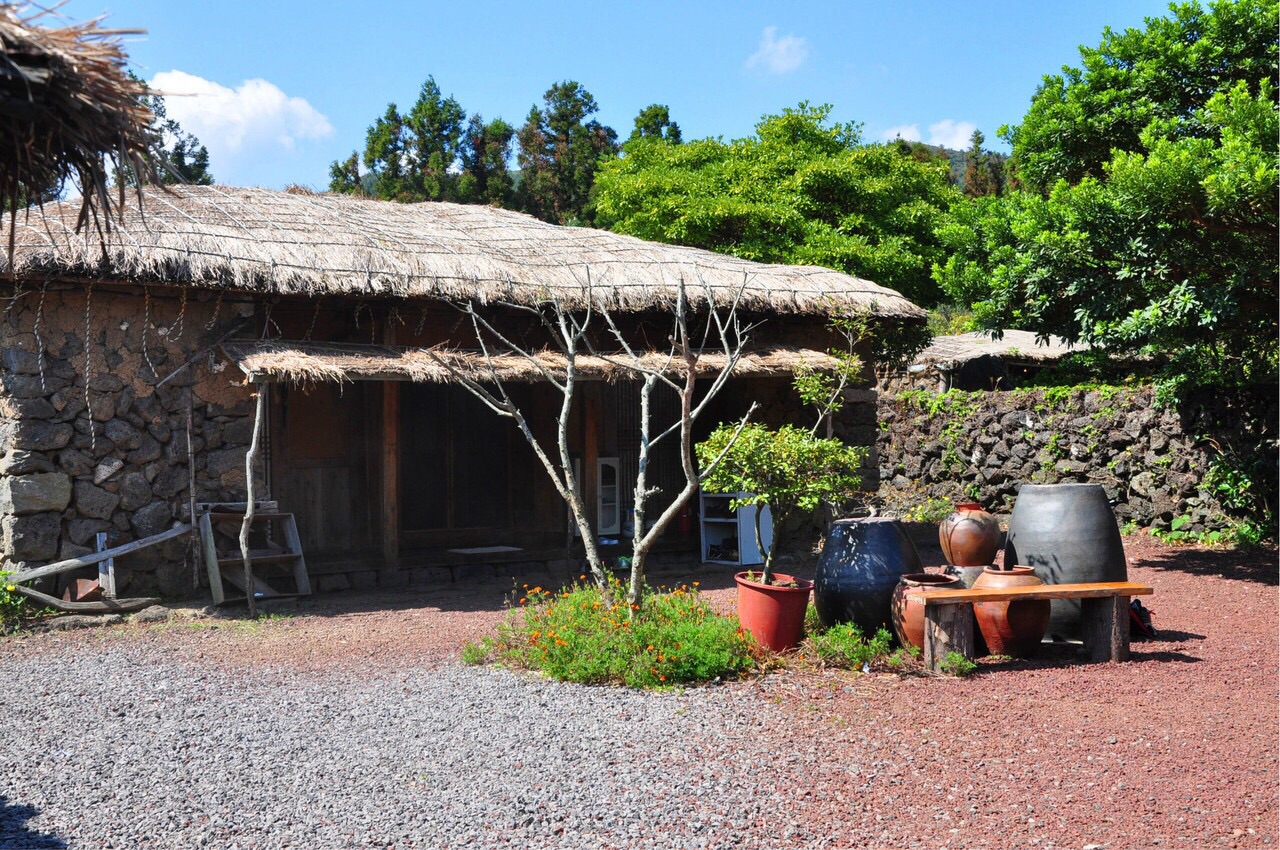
{"points": [[947, 628], [106, 606], [1104, 626], [97, 557], [390, 464], [1039, 591]]}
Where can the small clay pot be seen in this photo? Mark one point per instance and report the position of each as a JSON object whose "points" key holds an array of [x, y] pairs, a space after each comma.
{"points": [[908, 615], [970, 537], [1011, 628]]}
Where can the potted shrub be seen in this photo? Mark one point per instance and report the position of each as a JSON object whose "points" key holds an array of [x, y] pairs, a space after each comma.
{"points": [[789, 469]]}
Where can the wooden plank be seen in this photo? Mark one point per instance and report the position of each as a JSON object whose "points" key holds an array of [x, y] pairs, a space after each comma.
{"points": [[211, 559], [106, 569], [105, 606], [947, 628], [225, 516], [1104, 625], [390, 466], [301, 580], [260, 558], [98, 557], [260, 587], [1040, 591]]}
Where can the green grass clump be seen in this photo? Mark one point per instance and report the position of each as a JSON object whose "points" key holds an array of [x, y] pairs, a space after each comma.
{"points": [[583, 634], [844, 646]]}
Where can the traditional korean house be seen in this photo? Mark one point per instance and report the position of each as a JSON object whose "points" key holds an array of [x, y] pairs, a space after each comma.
{"points": [[131, 359]]}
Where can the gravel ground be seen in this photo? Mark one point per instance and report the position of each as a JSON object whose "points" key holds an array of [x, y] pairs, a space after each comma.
{"points": [[352, 724]]}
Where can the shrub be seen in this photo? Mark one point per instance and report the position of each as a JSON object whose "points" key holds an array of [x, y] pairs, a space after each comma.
{"points": [[582, 634], [13, 605]]}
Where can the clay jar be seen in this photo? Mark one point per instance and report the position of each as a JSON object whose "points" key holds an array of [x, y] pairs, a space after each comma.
{"points": [[860, 564], [1011, 628], [908, 615], [970, 537]]}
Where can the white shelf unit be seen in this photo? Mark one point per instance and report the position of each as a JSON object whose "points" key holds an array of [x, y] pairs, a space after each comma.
{"points": [[728, 536], [608, 496]]}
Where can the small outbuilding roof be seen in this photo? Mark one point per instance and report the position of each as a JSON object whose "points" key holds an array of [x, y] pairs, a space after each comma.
{"points": [[300, 242], [1019, 347]]}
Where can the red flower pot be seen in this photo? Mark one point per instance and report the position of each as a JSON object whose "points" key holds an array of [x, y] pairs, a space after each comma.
{"points": [[773, 613]]}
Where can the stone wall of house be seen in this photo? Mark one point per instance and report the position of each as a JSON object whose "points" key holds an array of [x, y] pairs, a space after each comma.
{"points": [[60, 481], [978, 446]]}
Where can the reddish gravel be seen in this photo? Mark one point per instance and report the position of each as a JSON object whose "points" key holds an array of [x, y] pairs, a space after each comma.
{"points": [[1176, 748]]}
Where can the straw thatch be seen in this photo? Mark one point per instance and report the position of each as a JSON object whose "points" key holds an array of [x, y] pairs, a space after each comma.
{"points": [[311, 362], [1013, 347], [278, 242], [66, 101]]}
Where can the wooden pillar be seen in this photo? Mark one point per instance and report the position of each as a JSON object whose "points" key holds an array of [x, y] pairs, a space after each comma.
{"points": [[1104, 625], [590, 446], [390, 462], [947, 628]]}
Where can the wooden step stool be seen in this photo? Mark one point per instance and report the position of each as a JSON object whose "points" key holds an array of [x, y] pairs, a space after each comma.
{"points": [[276, 560]]}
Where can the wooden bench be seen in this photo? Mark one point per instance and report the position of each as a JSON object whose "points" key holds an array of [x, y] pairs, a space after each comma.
{"points": [[1104, 616]]}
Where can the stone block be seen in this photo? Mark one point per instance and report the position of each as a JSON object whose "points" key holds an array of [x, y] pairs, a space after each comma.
{"points": [[35, 493], [81, 531], [21, 362], [223, 461], [22, 462], [135, 491], [95, 502], [153, 519], [124, 435], [330, 584], [33, 537], [40, 436], [148, 449]]}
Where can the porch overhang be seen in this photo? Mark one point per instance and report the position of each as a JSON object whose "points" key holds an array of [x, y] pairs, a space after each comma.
{"points": [[267, 361]]}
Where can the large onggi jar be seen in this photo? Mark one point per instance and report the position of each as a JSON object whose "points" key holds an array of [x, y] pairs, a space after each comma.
{"points": [[1068, 533], [858, 570]]}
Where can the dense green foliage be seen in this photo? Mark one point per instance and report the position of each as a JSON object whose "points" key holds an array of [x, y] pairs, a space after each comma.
{"points": [[178, 158], [802, 190], [582, 634], [1151, 224]]}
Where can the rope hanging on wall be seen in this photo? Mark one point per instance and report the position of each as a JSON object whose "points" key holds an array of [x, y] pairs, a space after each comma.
{"points": [[88, 366], [39, 341], [146, 323]]}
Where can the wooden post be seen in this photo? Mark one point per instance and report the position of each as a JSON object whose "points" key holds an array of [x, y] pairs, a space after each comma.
{"points": [[1104, 625], [106, 568], [590, 452], [390, 461], [947, 628], [249, 458], [191, 491]]}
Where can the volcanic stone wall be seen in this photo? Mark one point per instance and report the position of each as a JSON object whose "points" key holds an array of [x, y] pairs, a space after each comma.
{"points": [[984, 446], [113, 457]]}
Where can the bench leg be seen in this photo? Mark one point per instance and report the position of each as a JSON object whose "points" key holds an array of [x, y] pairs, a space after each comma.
{"points": [[947, 628], [1104, 624]]}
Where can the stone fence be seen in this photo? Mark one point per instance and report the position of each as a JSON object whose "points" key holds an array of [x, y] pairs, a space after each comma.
{"points": [[935, 449]]}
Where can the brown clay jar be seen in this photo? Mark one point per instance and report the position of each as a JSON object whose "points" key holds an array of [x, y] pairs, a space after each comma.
{"points": [[1011, 628], [969, 537], [908, 615]]}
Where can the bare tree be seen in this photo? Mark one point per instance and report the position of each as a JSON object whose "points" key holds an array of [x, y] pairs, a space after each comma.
{"points": [[574, 331]]}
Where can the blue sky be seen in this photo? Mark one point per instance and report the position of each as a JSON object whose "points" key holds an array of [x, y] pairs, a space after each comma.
{"points": [[278, 89]]}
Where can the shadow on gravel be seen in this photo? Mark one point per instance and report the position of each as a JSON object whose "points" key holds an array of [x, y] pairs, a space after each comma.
{"points": [[14, 832], [1254, 563], [1164, 655]]}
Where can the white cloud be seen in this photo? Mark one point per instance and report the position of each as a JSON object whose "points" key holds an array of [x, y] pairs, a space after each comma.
{"points": [[256, 116], [948, 133], [951, 134], [779, 55]]}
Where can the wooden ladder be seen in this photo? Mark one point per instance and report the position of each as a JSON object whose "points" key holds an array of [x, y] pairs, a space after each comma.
{"points": [[228, 566]]}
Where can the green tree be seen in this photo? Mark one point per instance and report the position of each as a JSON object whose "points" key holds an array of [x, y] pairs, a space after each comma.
{"points": [[434, 128], [802, 190], [561, 149], [177, 157], [654, 122], [385, 157], [344, 176], [983, 170], [486, 149]]}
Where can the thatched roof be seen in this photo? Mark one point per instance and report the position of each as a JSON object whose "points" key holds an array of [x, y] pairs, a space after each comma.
{"points": [[310, 362], [1013, 347], [65, 102], [266, 241]]}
